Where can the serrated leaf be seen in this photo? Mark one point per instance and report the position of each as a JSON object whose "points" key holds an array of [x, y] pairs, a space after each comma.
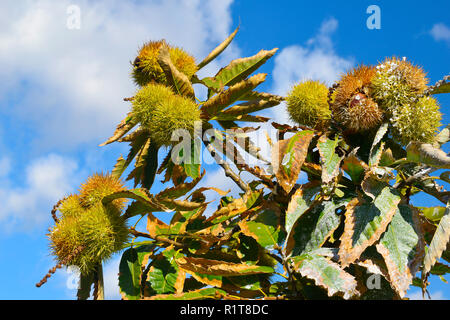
{"points": [[235, 207], [124, 126], [201, 294], [439, 243], [265, 229], [440, 269], [402, 247], [179, 205], [225, 98], [365, 222], [377, 145], [249, 107], [140, 195], [326, 274], [164, 273], [300, 202], [238, 70], [355, 168], [312, 229], [220, 268], [329, 159], [425, 153], [177, 80], [180, 189], [130, 271], [443, 86], [218, 50], [288, 157], [146, 165], [156, 227], [136, 145]]}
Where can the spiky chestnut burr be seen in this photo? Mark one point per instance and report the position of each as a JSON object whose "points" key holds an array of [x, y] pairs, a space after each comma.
{"points": [[352, 105], [307, 103], [416, 121], [146, 67], [162, 112], [97, 187], [99, 230], [87, 223], [397, 82]]}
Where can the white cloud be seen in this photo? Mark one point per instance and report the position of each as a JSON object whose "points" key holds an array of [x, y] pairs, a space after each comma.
{"points": [[46, 180], [70, 83], [440, 32]]}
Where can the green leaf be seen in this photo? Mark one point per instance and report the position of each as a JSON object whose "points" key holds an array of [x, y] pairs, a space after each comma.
{"points": [[192, 164], [201, 294], [329, 159], [425, 153], [440, 269], [265, 229], [439, 243], [365, 222], [312, 229], [442, 86], [238, 70], [326, 274], [86, 281], [146, 166], [218, 50], [164, 272], [130, 271], [225, 98], [288, 157], [402, 248], [177, 80], [377, 145], [434, 214]]}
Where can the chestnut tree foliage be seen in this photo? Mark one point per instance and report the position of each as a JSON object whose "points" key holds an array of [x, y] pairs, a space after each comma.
{"points": [[348, 230]]}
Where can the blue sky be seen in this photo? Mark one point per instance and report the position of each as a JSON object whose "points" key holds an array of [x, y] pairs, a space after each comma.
{"points": [[62, 91]]}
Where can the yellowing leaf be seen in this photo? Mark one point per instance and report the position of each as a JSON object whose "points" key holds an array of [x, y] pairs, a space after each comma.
{"points": [[265, 229], [329, 159], [365, 222], [201, 294], [124, 126], [178, 80], [355, 168], [225, 98], [288, 157], [218, 50], [220, 268], [427, 154], [402, 247], [326, 274]]}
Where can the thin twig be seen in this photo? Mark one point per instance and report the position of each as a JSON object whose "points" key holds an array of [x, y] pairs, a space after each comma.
{"points": [[59, 266], [228, 171], [157, 238]]}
